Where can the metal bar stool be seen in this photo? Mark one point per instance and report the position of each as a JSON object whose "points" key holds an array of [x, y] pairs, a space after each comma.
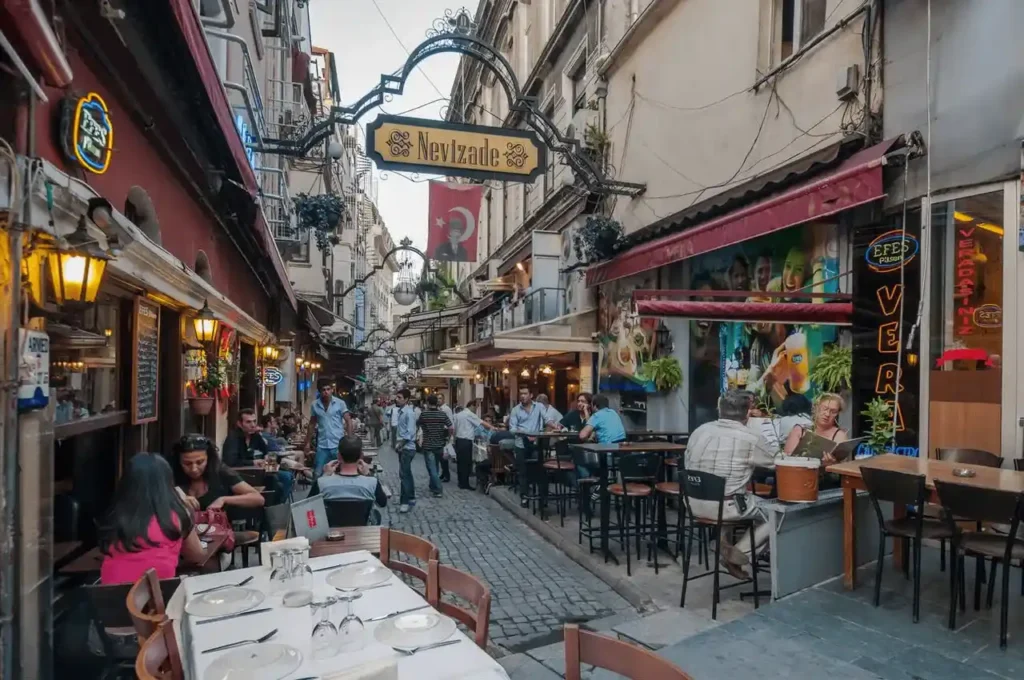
{"points": [[639, 476]]}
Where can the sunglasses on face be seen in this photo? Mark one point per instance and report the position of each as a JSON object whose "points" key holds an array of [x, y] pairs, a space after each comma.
{"points": [[193, 442]]}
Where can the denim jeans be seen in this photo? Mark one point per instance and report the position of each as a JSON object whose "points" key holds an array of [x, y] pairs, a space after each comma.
{"points": [[431, 456], [281, 482], [323, 457], [408, 488]]}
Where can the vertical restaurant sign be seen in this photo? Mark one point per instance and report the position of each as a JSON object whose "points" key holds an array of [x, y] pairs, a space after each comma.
{"points": [[247, 139], [883, 312], [87, 133], [966, 272]]}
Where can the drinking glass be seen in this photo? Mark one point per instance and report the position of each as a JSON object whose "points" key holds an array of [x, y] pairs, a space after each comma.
{"points": [[301, 571], [281, 571], [324, 641], [350, 631]]}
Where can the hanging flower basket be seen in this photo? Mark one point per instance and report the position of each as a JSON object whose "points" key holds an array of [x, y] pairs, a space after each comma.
{"points": [[321, 214], [201, 406]]}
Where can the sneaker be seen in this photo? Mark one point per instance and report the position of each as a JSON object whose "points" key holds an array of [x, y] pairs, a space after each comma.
{"points": [[436, 494], [412, 503], [524, 502], [403, 508]]}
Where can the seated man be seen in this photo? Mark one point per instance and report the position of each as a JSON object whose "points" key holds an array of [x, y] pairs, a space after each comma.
{"points": [[349, 477], [727, 448], [605, 426]]}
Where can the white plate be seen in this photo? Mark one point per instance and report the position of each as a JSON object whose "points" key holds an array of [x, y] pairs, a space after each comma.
{"points": [[359, 576], [268, 661], [224, 602], [414, 629]]}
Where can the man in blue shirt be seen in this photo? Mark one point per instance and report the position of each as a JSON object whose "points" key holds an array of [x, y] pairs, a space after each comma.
{"points": [[606, 427], [331, 421], [405, 445], [527, 416]]}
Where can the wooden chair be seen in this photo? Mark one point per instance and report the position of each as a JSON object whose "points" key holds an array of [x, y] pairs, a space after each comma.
{"points": [[444, 579], [159, 658], [629, 660], [420, 548], [145, 603]]}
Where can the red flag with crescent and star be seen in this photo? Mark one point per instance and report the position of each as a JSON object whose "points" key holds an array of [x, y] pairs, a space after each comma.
{"points": [[452, 221]]}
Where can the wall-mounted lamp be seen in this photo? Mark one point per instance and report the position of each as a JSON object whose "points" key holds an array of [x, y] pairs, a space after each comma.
{"points": [[912, 359], [77, 267], [108, 332], [205, 324], [478, 377]]}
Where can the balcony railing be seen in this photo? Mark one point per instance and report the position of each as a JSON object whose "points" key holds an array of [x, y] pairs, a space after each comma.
{"points": [[542, 304]]}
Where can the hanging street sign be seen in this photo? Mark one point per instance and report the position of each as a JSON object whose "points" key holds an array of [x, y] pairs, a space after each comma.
{"points": [[455, 150]]}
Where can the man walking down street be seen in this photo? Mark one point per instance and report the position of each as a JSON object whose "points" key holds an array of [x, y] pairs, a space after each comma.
{"points": [[725, 447], [375, 421], [466, 424], [446, 474], [527, 416], [437, 429], [405, 445], [331, 421]]}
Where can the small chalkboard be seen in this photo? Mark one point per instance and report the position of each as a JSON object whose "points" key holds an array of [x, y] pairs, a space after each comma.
{"points": [[145, 361]]}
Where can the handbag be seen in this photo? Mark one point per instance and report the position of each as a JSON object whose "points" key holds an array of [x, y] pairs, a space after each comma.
{"points": [[449, 452], [218, 522]]}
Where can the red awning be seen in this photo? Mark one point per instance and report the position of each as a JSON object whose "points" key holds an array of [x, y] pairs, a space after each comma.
{"points": [[835, 313], [192, 31], [856, 182]]}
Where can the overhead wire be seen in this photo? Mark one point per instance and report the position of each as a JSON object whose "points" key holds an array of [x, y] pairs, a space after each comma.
{"points": [[394, 34]]}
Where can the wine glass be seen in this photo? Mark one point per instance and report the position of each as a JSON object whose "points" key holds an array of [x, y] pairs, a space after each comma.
{"points": [[350, 630], [325, 635]]}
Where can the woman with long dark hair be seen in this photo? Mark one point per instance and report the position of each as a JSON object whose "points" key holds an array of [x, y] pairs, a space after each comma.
{"points": [[149, 524], [208, 484]]}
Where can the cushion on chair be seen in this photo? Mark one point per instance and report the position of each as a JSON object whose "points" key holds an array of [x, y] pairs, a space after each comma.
{"points": [[631, 489], [559, 465]]}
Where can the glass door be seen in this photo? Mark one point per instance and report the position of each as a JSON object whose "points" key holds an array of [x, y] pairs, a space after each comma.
{"points": [[969, 267]]}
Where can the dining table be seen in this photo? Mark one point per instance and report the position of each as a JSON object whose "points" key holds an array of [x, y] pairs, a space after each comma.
{"points": [[356, 539], [932, 469], [294, 625], [601, 452]]}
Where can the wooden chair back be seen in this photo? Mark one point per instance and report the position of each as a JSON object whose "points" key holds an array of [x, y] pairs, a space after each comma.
{"points": [[399, 542], [159, 658], [444, 579], [620, 657], [145, 604]]}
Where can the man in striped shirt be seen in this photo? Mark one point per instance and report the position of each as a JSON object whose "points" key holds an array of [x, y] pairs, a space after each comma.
{"points": [[437, 429]]}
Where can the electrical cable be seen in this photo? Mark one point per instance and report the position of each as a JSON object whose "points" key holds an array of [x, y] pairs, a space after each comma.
{"points": [[402, 45]]}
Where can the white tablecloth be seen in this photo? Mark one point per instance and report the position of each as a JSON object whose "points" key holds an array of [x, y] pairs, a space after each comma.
{"points": [[463, 660]]}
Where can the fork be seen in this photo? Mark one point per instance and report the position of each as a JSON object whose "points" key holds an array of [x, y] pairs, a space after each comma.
{"points": [[257, 641], [226, 585], [409, 651]]}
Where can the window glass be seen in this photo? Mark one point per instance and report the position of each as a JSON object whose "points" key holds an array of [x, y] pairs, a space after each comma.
{"points": [[966, 283], [83, 363]]}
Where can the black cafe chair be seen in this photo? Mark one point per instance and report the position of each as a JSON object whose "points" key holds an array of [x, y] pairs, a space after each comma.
{"points": [[966, 457], [705, 486], [348, 512], [987, 507], [901, 488]]}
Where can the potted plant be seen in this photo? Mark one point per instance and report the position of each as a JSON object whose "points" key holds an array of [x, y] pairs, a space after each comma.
{"points": [[205, 391], [598, 239], [665, 373], [833, 369], [879, 415]]}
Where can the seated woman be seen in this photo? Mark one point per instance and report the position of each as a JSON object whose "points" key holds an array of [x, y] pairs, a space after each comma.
{"points": [[149, 525], [827, 408], [208, 484]]}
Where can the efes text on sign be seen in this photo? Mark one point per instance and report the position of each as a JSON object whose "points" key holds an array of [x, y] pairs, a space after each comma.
{"points": [[456, 150]]}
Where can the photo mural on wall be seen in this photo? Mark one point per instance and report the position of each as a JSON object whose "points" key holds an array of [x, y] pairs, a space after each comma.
{"points": [[769, 358], [627, 341]]}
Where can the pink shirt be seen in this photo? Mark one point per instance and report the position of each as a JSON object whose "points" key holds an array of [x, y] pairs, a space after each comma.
{"points": [[127, 567]]}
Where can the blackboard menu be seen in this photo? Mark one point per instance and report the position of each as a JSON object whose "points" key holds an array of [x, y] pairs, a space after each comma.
{"points": [[145, 361]]}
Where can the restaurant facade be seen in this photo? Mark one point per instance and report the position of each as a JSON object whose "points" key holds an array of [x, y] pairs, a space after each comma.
{"points": [[140, 267]]}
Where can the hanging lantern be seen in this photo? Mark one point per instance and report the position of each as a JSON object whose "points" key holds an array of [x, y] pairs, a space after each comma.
{"points": [[404, 292], [205, 324], [298, 361], [525, 373], [77, 273], [268, 353]]}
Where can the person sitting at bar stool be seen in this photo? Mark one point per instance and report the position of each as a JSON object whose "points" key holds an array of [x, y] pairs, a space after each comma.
{"points": [[604, 425], [726, 448]]}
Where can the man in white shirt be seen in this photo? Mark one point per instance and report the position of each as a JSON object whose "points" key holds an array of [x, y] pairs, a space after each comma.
{"points": [[446, 474], [552, 418], [466, 423]]}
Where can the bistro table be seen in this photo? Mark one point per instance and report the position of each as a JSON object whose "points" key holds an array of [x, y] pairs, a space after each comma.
{"points": [[544, 441], [602, 451], [294, 625], [356, 538], [671, 435], [850, 471]]}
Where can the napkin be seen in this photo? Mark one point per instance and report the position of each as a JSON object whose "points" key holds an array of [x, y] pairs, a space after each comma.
{"points": [[386, 669], [268, 547]]}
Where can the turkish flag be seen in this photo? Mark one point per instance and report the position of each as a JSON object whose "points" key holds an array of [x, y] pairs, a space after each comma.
{"points": [[452, 221]]}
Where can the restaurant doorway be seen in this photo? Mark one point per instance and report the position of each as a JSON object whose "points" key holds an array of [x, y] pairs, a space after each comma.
{"points": [[969, 338]]}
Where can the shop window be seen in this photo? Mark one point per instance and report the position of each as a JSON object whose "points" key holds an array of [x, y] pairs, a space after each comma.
{"points": [[579, 87], [800, 21], [966, 284], [83, 363]]}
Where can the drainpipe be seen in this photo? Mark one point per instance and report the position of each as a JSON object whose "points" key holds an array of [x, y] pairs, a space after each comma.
{"points": [[227, 22]]}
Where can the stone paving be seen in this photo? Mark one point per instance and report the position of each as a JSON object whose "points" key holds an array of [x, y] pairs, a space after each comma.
{"points": [[535, 588]]}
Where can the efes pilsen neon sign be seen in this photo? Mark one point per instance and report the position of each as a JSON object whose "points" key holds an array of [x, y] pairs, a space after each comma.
{"points": [[87, 133]]}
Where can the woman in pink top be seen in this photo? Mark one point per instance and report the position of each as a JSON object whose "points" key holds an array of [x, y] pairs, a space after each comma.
{"points": [[148, 525]]}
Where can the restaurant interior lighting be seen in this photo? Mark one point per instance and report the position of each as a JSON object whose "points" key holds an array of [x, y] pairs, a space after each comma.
{"points": [[993, 228], [505, 370], [546, 370], [962, 217], [205, 324], [911, 359], [455, 367], [109, 332], [525, 373], [298, 361], [478, 376], [520, 267]]}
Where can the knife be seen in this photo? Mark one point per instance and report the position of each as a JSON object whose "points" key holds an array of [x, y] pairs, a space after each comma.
{"points": [[398, 613], [338, 566], [235, 616]]}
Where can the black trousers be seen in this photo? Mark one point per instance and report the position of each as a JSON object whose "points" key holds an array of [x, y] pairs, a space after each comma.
{"points": [[444, 472], [526, 461], [464, 461]]}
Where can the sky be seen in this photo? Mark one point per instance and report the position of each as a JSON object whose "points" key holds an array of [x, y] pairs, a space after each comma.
{"points": [[357, 32]]}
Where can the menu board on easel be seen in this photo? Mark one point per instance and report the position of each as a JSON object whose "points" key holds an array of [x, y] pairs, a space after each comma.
{"points": [[145, 361]]}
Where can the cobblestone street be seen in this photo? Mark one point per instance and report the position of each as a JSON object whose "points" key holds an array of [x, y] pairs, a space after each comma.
{"points": [[534, 587]]}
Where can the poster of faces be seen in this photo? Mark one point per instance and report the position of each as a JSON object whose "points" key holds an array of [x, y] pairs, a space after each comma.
{"points": [[771, 357]]}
